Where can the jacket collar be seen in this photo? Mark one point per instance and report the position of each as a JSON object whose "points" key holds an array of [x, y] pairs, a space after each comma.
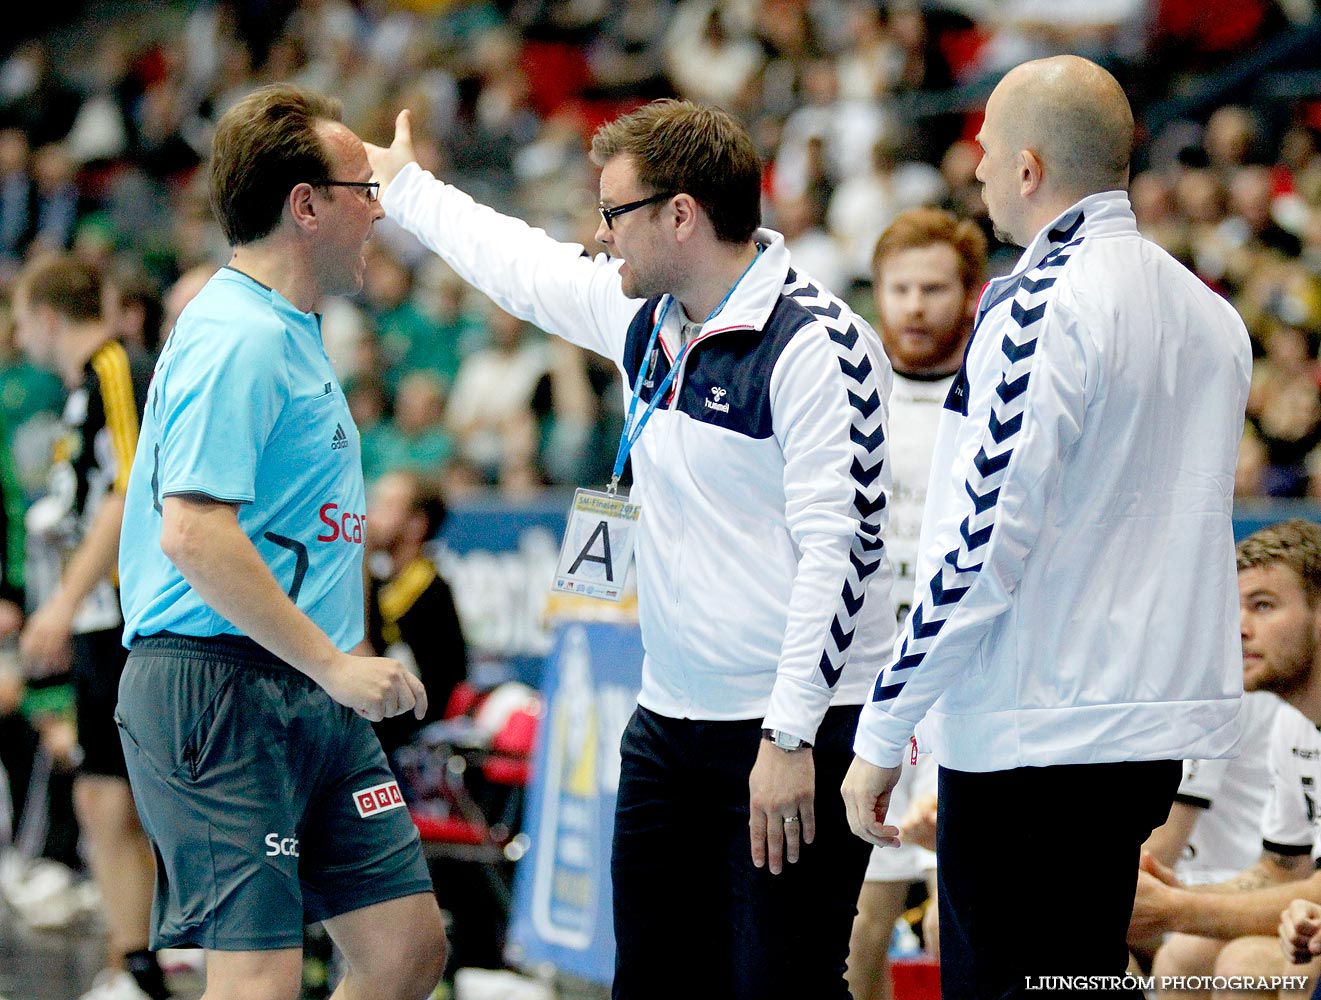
{"points": [[1096, 215], [750, 305]]}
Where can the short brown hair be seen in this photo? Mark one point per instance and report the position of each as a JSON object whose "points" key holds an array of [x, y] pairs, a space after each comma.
{"points": [[681, 147], [264, 145], [70, 286], [922, 227], [1295, 543], [428, 501]]}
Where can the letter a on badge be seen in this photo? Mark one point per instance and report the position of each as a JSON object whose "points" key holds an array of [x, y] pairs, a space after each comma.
{"points": [[602, 532], [597, 547]]}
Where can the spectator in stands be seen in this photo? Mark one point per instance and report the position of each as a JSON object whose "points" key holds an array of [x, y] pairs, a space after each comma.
{"points": [[178, 295], [871, 65], [711, 54], [626, 56], [848, 132], [34, 96], [1230, 928], [794, 46], [410, 611], [1284, 408], [1202, 201], [456, 326], [18, 199], [1230, 140], [1152, 194], [1251, 223], [567, 403], [415, 437], [815, 250], [134, 310], [369, 401], [59, 202], [958, 168], [864, 204], [489, 411], [1024, 29], [388, 291]]}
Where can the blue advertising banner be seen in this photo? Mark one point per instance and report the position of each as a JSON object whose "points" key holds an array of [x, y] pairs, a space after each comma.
{"points": [[561, 911], [499, 559]]}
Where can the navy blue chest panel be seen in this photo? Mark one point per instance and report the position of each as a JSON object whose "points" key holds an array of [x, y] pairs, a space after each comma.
{"points": [[957, 399], [727, 377]]}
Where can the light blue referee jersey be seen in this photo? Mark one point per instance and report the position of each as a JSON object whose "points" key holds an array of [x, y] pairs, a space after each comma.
{"points": [[244, 408]]}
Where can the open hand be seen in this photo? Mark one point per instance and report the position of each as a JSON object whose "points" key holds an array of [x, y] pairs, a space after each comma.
{"points": [[386, 162]]}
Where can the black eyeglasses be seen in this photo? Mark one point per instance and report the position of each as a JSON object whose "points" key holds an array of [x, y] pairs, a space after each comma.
{"points": [[373, 188], [608, 215]]}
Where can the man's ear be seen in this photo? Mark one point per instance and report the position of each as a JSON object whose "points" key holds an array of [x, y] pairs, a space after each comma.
{"points": [[302, 207], [1031, 172], [685, 209]]}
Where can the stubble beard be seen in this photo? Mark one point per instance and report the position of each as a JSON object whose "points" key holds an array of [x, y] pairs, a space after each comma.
{"points": [[1003, 235], [1292, 672]]}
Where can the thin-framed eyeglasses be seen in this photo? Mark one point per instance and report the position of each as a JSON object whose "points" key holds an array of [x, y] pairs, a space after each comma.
{"points": [[608, 215], [372, 188]]}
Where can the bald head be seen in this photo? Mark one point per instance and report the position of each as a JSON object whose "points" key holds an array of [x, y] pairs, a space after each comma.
{"points": [[1075, 116]]}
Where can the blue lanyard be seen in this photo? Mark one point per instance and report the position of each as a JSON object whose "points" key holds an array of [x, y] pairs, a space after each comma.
{"points": [[632, 431]]}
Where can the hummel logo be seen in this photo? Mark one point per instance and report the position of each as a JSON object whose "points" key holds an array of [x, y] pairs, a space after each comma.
{"points": [[718, 393], [340, 440]]}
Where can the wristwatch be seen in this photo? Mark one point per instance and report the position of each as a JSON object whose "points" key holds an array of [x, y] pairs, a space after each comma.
{"points": [[781, 739]]}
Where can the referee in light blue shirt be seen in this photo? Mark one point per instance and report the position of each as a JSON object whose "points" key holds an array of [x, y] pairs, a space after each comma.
{"points": [[244, 718]]}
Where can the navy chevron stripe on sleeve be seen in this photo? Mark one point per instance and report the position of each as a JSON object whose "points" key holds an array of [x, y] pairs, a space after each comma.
{"points": [[867, 441], [938, 597]]}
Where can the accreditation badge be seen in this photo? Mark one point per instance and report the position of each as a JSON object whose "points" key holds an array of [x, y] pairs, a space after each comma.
{"points": [[598, 545]]}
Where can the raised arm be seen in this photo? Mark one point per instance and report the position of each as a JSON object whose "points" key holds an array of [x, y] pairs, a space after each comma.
{"points": [[558, 286]]}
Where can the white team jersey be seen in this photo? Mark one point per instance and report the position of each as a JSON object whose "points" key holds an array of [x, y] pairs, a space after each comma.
{"points": [[1232, 792], [1290, 824], [914, 416]]}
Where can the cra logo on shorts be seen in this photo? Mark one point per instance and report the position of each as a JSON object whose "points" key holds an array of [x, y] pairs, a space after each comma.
{"points": [[378, 799]]}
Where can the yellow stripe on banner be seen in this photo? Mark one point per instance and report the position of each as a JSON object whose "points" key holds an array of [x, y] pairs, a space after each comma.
{"points": [[110, 363], [402, 592]]}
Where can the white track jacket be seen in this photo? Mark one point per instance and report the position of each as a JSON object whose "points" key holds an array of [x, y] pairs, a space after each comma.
{"points": [[1076, 588], [763, 586]]}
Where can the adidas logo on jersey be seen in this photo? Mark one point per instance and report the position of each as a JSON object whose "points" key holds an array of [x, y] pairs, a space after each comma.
{"points": [[340, 440]]}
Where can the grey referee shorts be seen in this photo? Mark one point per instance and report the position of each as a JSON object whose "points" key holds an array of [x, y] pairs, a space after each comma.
{"points": [[268, 805]]}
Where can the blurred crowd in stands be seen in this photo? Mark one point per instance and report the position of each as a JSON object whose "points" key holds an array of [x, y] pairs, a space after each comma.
{"points": [[861, 109]]}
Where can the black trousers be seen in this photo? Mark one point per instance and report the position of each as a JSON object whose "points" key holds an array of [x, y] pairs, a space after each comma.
{"points": [[693, 917], [1038, 867]]}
